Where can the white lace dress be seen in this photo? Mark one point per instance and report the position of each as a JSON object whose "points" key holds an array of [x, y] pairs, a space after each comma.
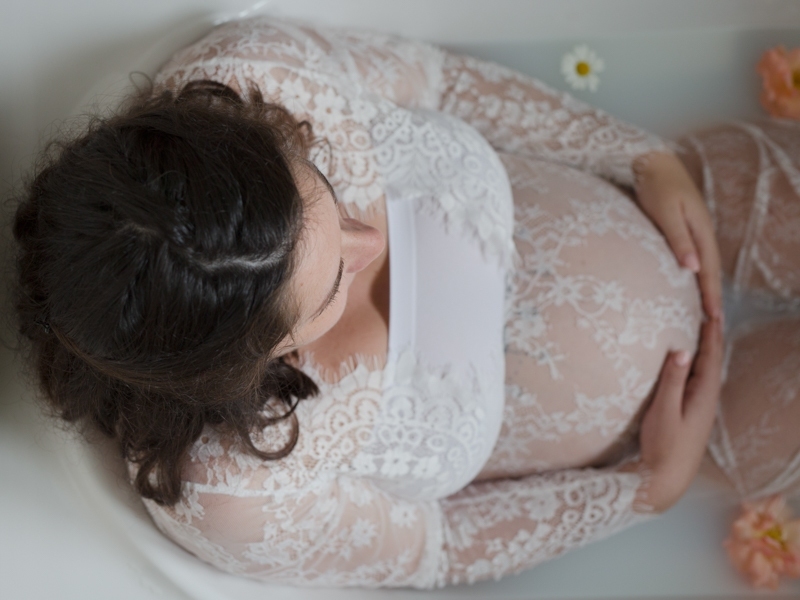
{"points": [[749, 173], [532, 306]]}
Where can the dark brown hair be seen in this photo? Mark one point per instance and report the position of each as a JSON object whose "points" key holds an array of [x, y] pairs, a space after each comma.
{"points": [[154, 255]]}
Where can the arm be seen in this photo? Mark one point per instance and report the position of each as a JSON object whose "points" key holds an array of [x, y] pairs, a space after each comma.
{"points": [[520, 115], [350, 533], [493, 529], [337, 76], [345, 531]]}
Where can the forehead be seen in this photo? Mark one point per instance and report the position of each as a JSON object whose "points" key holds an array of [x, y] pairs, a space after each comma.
{"points": [[311, 183], [315, 195], [319, 244]]}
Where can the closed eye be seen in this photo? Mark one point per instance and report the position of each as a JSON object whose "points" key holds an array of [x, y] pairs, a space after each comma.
{"points": [[334, 291]]}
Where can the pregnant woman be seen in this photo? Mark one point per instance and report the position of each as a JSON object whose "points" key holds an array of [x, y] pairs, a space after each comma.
{"points": [[408, 321]]}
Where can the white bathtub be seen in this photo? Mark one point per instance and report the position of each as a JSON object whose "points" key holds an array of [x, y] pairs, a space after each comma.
{"points": [[70, 529]]}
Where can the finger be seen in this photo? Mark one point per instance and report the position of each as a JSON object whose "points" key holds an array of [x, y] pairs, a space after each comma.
{"points": [[707, 366], [679, 237], [702, 388], [710, 274], [668, 399], [709, 354]]}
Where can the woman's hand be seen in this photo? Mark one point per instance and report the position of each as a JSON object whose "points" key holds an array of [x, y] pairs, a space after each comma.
{"points": [[666, 193], [678, 422]]}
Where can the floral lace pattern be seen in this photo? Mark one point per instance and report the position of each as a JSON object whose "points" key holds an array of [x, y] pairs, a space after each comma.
{"points": [[750, 176], [317, 79], [319, 517], [500, 527], [450, 171], [519, 115], [351, 86], [755, 437], [587, 328], [373, 146], [372, 493], [421, 435]]}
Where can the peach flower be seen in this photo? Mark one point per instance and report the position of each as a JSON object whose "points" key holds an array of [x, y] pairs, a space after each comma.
{"points": [[764, 543], [780, 75]]}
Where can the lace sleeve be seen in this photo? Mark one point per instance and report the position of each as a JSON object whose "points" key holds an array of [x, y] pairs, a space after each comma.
{"points": [[405, 72], [520, 115], [347, 84], [347, 532], [246, 54], [496, 528]]}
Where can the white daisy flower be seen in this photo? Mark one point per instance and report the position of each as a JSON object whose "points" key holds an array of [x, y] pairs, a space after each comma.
{"points": [[580, 68]]}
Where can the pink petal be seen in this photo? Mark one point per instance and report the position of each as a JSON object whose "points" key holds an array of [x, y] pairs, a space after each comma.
{"points": [[793, 59], [739, 552], [793, 567], [780, 98], [743, 529], [761, 573], [789, 108], [791, 530]]}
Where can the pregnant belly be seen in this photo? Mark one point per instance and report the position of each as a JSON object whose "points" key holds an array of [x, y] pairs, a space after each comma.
{"points": [[596, 302]]}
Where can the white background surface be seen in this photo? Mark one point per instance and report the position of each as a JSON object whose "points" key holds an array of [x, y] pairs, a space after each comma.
{"points": [[65, 528]]}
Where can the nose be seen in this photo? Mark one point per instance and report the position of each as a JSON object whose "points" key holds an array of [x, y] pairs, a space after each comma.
{"points": [[361, 244]]}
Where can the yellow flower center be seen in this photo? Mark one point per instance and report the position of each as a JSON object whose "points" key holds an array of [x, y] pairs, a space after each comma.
{"points": [[775, 533], [796, 79], [584, 69]]}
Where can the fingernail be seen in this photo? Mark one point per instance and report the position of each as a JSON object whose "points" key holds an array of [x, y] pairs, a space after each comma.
{"points": [[682, 358], [692, 263]]}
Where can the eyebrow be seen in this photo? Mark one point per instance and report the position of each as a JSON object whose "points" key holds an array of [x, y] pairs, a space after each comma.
{"points": [[333, 291]]}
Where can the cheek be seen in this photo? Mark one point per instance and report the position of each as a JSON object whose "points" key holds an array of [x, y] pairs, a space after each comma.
{"points": [[335, 311], [330, 316]]}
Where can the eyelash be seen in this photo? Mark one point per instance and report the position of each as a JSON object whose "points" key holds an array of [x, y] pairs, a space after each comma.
{"points": [[333, 298]]}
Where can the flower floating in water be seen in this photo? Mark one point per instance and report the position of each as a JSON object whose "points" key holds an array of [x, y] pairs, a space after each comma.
{"points": [[764, 543], [780, 76], [580, 68]]}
